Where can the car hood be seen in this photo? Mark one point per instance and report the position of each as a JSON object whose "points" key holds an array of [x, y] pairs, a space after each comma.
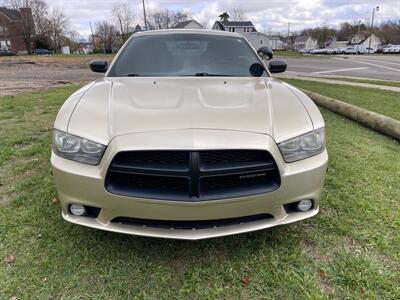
{"points": [[117, 106]]}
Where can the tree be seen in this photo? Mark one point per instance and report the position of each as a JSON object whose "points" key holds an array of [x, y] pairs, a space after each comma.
{"points": [[164, 19], [178, 17], [389, 32], [224, 16], [40, 14], [238, 15], [107, 34], [73, 39], [321, 34], [123, 19], [57, 27]]}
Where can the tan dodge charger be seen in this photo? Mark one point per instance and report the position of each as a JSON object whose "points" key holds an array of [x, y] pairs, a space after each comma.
{"points": [[187, 136]]}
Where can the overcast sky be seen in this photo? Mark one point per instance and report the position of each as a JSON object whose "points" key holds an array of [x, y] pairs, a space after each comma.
{"points": [[267, 15]]}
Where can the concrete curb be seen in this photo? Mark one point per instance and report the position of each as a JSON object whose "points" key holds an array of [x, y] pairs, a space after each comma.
{"points": [[375, 121]]}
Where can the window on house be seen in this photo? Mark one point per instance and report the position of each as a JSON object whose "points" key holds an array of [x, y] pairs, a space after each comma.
{"points": [[233, 29], [261, 41]]}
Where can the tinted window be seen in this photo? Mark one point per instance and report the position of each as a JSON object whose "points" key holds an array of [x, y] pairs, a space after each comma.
{"points": [[185, 55]]}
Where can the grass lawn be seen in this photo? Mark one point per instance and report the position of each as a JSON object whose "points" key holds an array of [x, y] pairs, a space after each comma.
{"points": [[383, 102], [296, 54], [359, 80], [350, 250]]}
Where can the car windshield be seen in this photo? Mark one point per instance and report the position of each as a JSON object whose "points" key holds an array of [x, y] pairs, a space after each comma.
{"points": [[184, 54]]}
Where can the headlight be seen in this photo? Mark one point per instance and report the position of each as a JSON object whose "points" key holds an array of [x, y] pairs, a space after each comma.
{"points": [[303, 146], [76, 148]]}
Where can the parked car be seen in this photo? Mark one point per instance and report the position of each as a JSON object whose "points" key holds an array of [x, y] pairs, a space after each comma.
{"points": [[367, 51], [340, 50], [331, 51], [7, 53], [394, 49], [381, 48], [43, 52], [304, 51], [188, 136], [350, 50]]}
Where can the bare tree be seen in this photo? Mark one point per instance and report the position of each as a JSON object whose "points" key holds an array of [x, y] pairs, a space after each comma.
{"points": [[123, 19], [40, 14], [57, 27], [179, 16], [107, 34], [238, 15], [163, 19], [73, 39]]}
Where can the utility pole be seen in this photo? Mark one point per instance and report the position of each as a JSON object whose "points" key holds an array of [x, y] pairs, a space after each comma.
{"points": [[91, 30], [376, 9], [144, 15], [288, 30], [359, 24]]}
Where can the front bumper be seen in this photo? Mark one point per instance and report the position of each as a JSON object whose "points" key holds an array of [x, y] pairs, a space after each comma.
{"points": [[84, 184]]}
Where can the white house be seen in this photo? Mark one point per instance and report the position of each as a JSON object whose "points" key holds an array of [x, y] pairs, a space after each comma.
{"points": [[305, 42], [189, 24], [242, 27], [247, 29], [332, 43], [278, 44], [361, 42], [258, 39]]}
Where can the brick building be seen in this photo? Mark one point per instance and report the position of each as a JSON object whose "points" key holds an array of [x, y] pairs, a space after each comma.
{"points": [[16, 27]]}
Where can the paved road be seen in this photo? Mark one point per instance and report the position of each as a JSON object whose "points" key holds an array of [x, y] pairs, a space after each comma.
{"points": [[386, 67]]}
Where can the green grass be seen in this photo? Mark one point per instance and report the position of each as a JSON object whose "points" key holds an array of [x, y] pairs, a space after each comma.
{"points": [[359, 80], [288, 53], [379, 101], [296, 54], [350, 250]]}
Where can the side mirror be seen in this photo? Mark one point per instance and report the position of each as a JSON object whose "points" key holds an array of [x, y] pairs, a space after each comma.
{"points": [[277, 66], [265, 53], [256, 70], [98, 66]]}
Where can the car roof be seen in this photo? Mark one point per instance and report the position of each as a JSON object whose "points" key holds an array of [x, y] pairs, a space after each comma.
{"points": [[193, 31]]}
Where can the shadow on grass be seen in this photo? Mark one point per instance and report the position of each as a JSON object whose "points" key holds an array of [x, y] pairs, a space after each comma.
{"points": [[111, 246]]}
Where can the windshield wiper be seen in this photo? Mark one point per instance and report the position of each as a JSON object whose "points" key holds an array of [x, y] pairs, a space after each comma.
{"points": [[208, 74], [131, 75]]}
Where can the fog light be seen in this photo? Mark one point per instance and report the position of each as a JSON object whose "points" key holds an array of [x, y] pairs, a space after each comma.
{"points": [[304, 205], [77, 210]]}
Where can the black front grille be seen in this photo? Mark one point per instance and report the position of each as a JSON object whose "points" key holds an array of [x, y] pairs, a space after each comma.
{"points": [[192, 175], [189, 225]]}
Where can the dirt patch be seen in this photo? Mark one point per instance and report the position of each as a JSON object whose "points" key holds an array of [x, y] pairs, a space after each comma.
{"points": [[28, 73]]}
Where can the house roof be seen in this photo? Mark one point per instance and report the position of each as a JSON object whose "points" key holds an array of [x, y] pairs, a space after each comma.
{"points": [[261, 34], [237, 23], [362, 37], [184, 24], [12, 14], [301, 39], [220, 26]]}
